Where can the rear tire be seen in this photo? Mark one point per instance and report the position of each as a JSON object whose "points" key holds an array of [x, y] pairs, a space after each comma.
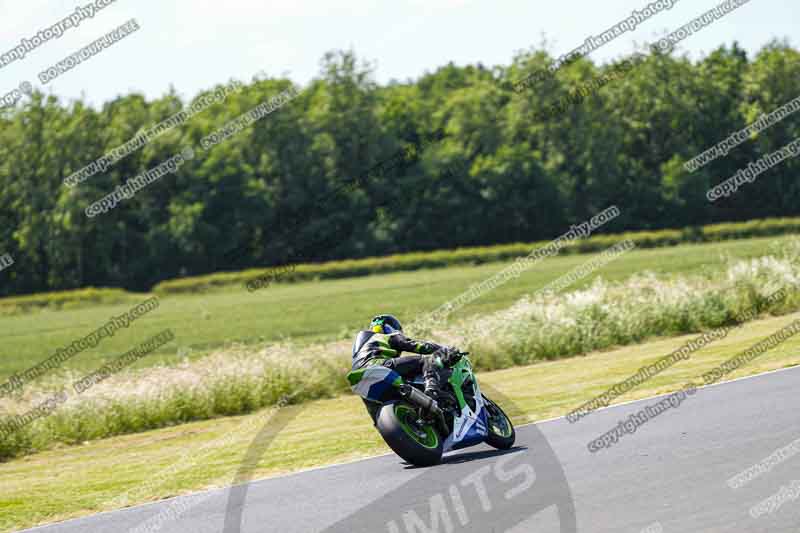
{"points": [[501, 431], [420, 445]]}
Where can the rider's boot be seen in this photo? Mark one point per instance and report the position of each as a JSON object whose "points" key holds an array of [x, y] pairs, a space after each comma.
{"points": [[432, 385]]}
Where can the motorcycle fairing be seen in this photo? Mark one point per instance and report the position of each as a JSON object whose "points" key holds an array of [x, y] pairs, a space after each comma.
{"points": [[374, 382], [469, 427]]}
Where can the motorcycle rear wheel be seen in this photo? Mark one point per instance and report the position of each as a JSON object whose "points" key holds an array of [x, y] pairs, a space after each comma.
{"points": [[418, 443]]}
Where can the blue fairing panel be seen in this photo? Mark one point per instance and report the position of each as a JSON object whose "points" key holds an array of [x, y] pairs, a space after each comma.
{"points": [[476, 433], [376, 383]]}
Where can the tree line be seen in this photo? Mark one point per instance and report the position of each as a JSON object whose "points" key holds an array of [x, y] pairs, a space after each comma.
{"points": [[350, 168]]}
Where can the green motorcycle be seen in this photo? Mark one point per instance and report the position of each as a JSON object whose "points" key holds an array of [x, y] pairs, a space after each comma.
{"points": [[420, 429]]}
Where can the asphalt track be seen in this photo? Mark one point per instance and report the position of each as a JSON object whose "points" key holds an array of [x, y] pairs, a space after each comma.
{"points": [[670, 475]]}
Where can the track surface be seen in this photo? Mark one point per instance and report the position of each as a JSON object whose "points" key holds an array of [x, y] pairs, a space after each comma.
{"points": [[670, 475]]}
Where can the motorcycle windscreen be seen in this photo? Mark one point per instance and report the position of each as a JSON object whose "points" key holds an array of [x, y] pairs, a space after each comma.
{"points": [[361, 340], [376, 383]]}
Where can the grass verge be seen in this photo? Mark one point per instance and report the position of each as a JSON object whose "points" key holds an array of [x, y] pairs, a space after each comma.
{"points": [[311, 312], [546, 327], [82, 480]]}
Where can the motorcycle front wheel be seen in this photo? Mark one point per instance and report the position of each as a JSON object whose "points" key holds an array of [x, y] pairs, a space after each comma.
{"points": [[501, 431]]}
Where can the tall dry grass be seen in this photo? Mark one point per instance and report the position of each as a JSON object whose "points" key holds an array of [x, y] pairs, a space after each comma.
{"points": [[541, 327], [645, 306]]}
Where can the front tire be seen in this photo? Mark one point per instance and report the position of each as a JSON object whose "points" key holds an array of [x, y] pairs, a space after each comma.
{"points": [[418, 444], [501, 431]]}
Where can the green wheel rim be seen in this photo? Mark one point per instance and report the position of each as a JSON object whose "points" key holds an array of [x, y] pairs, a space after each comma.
{"points": [[423, 435]]}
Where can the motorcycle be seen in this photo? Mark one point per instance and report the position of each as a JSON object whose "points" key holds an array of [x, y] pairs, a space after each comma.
{"points": [[419, 429]]}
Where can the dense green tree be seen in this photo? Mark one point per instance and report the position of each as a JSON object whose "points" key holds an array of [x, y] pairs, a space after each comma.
{"points": [[350, 168]]}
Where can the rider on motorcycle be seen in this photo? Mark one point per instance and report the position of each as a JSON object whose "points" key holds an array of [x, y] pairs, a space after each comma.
{"points": [[385, 341]]}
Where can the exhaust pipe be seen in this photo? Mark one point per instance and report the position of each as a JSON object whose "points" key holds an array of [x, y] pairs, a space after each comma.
{"points": [[425, 402], [418, 398]]}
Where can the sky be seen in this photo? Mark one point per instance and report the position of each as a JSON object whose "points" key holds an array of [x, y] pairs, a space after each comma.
{"points": [[192, 45]]}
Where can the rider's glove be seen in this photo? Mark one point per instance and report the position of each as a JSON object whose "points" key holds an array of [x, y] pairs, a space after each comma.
{"points": [[449, 355]]}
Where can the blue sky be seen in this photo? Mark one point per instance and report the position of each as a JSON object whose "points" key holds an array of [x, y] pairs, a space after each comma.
{"points": [[194, 44]]}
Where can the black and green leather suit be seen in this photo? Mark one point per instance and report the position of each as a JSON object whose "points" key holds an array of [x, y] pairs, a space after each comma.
{"points": [[385, 349]]}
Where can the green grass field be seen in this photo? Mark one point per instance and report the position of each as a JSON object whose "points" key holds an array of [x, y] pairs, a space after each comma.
{"points": [[81, 480], [317, 311]]}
